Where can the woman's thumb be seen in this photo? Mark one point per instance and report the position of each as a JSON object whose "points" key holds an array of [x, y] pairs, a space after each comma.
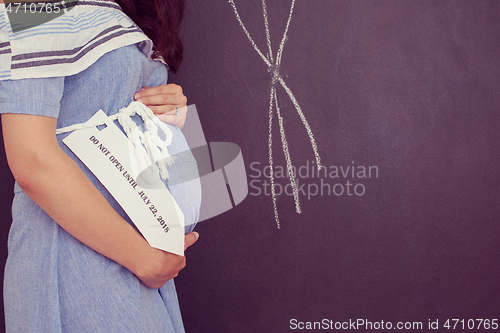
{"points": [[190, 239]]}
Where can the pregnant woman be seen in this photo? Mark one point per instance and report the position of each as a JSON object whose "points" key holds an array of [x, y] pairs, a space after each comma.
{"points": [[76, 263]]}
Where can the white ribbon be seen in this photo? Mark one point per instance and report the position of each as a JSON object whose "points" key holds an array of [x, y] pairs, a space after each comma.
{"points": [[150, 149]]}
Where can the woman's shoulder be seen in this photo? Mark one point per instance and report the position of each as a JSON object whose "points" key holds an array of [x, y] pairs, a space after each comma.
{"points": [[66, 44]]}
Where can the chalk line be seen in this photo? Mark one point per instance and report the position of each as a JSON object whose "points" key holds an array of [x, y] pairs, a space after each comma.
{"points": [[273, 68], [270, 150], [248, 34], [280, 50], [268, 36], [288, 159], [304, 120]]}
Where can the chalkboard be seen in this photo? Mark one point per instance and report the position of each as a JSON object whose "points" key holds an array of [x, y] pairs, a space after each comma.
{"points": [[401, 224]]}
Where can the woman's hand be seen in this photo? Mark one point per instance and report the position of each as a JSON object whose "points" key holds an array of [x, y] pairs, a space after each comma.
{"points": [[59, 186], [162, 100], [162, 266]]}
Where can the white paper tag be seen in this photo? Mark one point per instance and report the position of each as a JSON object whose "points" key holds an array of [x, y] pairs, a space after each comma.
{"points": [[109, 155]]}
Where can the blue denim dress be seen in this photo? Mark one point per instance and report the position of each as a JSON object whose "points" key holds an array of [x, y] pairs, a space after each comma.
{"points": [[53, 283]]}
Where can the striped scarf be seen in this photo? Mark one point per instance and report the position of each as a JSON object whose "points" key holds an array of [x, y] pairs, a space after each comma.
{"points": [[68, 44]]}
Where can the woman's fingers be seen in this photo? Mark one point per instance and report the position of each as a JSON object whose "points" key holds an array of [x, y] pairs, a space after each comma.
{"points": [[166, 101], [167, 266], [190, 238], [161, 109], [161, 96], [173, 117]]}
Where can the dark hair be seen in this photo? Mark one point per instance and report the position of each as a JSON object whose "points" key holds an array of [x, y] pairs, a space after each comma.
{"points": [[160, 20]]}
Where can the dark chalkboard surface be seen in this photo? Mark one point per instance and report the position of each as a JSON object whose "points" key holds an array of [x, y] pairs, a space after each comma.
{"points": [[405, 94]]}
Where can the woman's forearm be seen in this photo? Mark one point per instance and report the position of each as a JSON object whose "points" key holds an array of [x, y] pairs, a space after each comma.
{"points": [[61, 189], [55, 182], [52, 179]]}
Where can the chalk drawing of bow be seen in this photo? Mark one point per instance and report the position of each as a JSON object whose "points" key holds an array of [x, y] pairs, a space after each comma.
{"points": [[273, 66]]}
